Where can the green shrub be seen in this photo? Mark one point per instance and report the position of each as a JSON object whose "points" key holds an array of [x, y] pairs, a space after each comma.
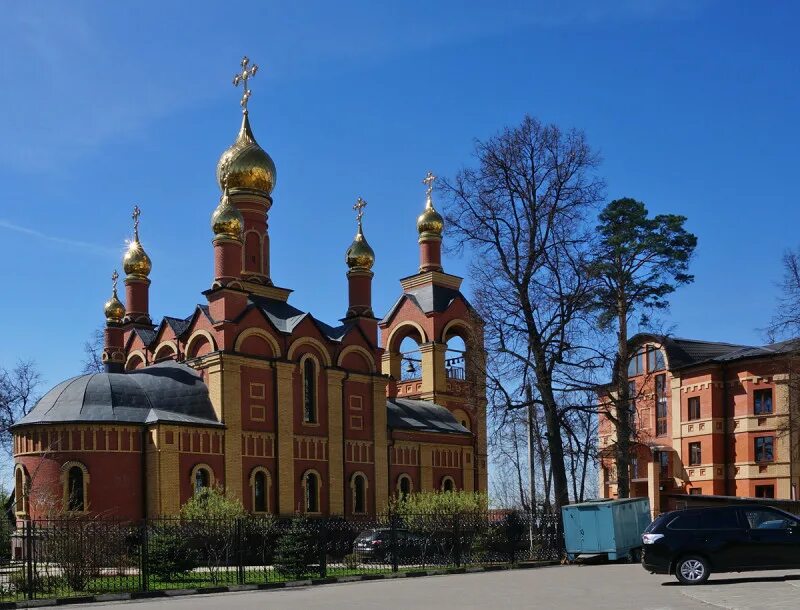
{"points": [[351, 561], [169, 554], [297, 549]]}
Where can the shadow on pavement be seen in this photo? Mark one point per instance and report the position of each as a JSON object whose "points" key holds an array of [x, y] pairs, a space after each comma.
{"points": [[739, 580]]}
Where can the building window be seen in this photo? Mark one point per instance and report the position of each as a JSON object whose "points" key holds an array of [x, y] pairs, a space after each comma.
{"points": [[634, 467], [21, 489], [765, 491], [358, 485], [762, 402], [259, 482], [448, 484], [655, 359], [764, 446], [663, 464], [404, 485], [75, 478], [309, 391], [202, 478], [311, 491], [696, 491], [694, 408], [695, 455], [632, 403], [661, 404], [635, 364]]}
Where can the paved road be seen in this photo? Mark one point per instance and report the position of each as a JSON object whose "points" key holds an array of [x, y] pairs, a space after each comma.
{"points": [[598, 587]]}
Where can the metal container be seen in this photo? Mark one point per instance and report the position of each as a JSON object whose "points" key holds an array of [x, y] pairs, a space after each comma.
{"points": [[612, 527]]}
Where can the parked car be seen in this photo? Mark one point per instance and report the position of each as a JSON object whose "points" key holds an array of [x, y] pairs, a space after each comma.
{"points": [[376, 545], [693, 543]]}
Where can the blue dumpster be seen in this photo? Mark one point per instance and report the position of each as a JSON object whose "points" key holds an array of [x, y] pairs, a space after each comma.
{"points": [[614, 527]]}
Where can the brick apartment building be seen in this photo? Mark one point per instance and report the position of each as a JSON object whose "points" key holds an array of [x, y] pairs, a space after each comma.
{"points": [[710, 418]]}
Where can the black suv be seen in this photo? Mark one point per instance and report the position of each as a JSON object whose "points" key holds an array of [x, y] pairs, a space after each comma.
{"points": [[695, 542]]}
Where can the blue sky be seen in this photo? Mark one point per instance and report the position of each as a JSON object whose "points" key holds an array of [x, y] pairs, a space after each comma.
{"points": [[693, 105]]}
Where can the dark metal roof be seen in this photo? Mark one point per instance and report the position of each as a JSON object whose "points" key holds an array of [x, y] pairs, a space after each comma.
{"points": [[285, 318], [422, 416], [167, 392], [430, 298], [178, 325], [683, 353], [147, 335]]}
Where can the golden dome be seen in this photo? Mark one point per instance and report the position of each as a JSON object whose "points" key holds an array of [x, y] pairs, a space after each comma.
{"points": [[113, 308], [246, 164], [227, 221], [430, 222], [136, 263], [360, 255]]}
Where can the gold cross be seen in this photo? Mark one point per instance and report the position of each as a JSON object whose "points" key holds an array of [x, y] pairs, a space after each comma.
{"points": [[428, 181], [114, 278], [136, 213], [359, 208], [245, 75]]}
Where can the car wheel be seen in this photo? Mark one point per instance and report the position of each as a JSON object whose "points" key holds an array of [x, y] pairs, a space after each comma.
{"points": [[692, 570]]}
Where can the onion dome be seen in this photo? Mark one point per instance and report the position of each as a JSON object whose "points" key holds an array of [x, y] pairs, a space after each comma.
{"points": [[430, 223], [114, 309], [245, 164], [136, 263], [360, 254], [227, 221]]}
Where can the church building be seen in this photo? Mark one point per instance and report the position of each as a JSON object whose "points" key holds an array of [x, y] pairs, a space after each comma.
{"points": [[249, 394]]}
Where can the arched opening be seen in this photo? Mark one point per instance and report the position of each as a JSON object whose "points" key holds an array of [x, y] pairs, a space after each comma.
{"points": [[448, 484], [309, 391], [404, 486], [201, 479], [21, 487], [411, 359], [455, 363], [311, 492], [359, 487], [260, 484], [76, 502]]}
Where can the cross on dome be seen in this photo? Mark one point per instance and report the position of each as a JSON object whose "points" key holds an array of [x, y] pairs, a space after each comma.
{"points": [[428, 181], [243, 77], [359, 206], [135, 215]]}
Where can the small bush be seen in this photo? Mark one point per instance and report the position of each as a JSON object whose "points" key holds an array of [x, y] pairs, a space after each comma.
{"points": [[297, 549], [351, 561], [169, 555]]}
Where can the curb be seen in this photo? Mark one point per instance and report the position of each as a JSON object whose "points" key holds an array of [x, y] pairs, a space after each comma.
{"points": [[311, 582]]}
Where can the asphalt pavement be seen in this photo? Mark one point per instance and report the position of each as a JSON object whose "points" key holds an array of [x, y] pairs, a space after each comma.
{"points": [[590, 587]]}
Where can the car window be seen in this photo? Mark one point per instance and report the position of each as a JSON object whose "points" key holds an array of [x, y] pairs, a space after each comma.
{"points": [[658, 522], [718, 520], [685, 521], [763, 519]]}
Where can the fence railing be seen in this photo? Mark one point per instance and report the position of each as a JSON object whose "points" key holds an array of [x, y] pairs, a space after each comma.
{"points": [[75, 557]]}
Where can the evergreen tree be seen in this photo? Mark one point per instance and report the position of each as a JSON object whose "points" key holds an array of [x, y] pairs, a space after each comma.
{"points": [[639, 263], [297, 549]]}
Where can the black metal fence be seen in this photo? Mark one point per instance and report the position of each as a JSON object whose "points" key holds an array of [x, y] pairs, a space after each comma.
{"points": [[76, 557]]}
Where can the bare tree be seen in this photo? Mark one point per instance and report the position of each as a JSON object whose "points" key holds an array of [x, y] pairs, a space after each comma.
{"points": [[18, 395], [93, 352], [521, 212]]}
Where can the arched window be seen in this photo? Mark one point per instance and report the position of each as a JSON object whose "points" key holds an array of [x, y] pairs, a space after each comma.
{"points": [[75, 500], [309, 391], [259, 481], [202, 478], [403, 485], [448, 484], [21, 484], [311, 490], [358, 484]]}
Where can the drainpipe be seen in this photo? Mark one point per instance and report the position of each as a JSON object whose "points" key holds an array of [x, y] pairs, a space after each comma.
{"points": [[726, 447], [143, 442]]}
